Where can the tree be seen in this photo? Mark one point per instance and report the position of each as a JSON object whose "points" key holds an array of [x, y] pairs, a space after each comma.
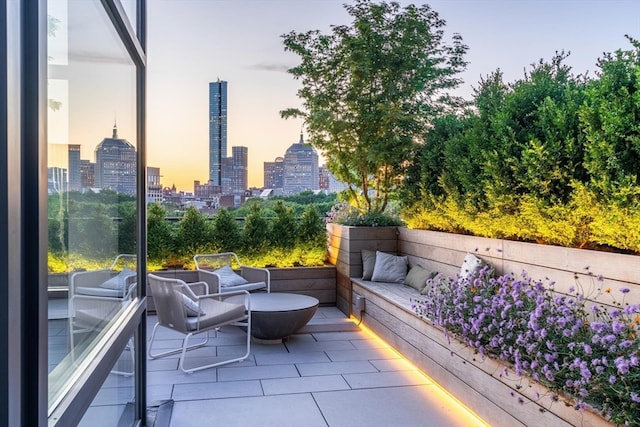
{"points": [[312, 230], [370, 89], [610, 120], [194, 235], [226, 232], [284, 227], [255, 233], [159, 238]]}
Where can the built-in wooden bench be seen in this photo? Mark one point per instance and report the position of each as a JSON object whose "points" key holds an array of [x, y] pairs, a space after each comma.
{"points": [[480, 384]]}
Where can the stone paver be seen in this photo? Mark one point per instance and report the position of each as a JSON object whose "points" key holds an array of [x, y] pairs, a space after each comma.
{"points": [[312, 379]]}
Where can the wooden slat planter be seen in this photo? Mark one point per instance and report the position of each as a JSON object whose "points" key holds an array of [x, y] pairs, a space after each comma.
{"points": [[344, 245], [498, 396]]}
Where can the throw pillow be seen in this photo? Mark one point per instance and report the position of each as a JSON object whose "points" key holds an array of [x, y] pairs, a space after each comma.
{"points": [[228, 277], [191, 307], [119, 282], [389, 268], [418, 276], [368, 262], [470, 266]]}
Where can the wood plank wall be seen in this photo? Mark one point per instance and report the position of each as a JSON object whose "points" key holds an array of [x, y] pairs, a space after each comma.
{"points": [[596, 271]]}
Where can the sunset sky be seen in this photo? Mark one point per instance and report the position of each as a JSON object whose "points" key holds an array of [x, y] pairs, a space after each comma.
{"points": [[193, 42]]}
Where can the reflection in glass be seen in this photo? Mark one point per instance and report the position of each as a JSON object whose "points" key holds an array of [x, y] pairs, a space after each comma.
{"points": [[114, 403], [92, 213]]}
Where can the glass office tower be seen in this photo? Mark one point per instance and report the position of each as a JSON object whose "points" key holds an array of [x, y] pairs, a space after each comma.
{"points": [[72, 351], [217, 129]]}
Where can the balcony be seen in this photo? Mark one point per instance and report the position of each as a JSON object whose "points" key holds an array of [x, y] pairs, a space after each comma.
{"points": [[312, 379]]}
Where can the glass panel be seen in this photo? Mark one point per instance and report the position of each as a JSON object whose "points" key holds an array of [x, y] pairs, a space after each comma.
{"points": [[131, 9], [114, 403], [91, 184]]}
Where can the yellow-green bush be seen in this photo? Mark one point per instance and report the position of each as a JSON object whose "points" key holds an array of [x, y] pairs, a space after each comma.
{"points": [[584, 222]]}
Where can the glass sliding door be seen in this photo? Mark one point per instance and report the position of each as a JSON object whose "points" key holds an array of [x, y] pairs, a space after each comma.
{"points": [[95, 211]]}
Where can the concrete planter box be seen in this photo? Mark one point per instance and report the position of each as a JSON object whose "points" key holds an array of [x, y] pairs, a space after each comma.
{"points": [[318, 282]]}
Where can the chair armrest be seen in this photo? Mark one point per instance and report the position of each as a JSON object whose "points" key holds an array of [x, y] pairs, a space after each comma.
{"points": [[256, 274], [224, 295], [196, 289]]}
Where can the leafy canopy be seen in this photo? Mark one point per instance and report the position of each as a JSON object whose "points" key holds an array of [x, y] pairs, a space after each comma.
{"points": [[371, 88]]}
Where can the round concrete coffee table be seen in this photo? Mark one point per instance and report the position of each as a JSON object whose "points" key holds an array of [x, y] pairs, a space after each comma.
{"points": [[276, 315]]}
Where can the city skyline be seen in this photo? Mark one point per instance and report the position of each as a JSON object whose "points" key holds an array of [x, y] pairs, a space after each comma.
{"points": [[500, 34]]}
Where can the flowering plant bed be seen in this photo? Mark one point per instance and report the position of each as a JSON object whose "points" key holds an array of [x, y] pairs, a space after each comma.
{"points": [[587, 351]]}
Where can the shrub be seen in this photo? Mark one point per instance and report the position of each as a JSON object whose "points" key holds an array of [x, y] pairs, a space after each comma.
{"points": [[255, 234], [159, 236], [226, 232], [345, 214], [284, 227]]}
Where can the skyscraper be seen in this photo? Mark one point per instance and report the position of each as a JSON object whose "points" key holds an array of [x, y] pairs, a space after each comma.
{"points": [[300, 168], [274, 174], [116, 164], [234, 171], [75, 183], [217, 129]]}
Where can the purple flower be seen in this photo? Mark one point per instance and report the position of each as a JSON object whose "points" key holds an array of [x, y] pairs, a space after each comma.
{"points": [[634, 396], [624, 290], [612, 379]]}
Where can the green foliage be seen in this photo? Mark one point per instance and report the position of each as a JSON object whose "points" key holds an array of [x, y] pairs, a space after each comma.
{"points": [[193, 234], [284, 227], [256, 231], [346, 214], [159, 236], [312, 230], [226, 232], [297, 202], [610, 119], [371, 88], [96, 235], [551, 157], [127, 228]]}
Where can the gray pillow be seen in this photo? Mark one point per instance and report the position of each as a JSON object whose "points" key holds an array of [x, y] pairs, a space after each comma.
{"points": [[228, 277], [470, 266], [418, 276], [389, 268], [119, 282], [191, 307], [368, 262]]}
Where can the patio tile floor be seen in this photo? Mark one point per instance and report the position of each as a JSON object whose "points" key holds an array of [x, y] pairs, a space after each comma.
{"points": [[312, 379]]}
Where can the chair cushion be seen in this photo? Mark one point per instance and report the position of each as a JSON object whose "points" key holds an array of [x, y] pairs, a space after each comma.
{"points": [[470, 266], [228, 277], [98, 292], [246, 287], [389, 268], [217, 312], [119, 282], [368, 262], [191, 307], [418, 276]]}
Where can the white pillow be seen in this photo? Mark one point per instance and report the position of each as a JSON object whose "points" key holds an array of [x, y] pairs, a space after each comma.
{"points": [[191, 307], [119, 282], [228, 277], [389, 268], [470, 266]]}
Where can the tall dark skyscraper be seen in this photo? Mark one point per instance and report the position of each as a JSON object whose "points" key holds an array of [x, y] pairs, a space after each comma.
{"points": [[217, 129], [75, 183]]}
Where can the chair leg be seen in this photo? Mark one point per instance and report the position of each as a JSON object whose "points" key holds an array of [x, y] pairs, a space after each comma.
{"points": [[173, 351], [224, 362]]}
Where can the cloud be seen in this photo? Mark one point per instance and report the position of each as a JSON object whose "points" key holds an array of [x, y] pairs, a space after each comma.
{"points": [[270, 67]]}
